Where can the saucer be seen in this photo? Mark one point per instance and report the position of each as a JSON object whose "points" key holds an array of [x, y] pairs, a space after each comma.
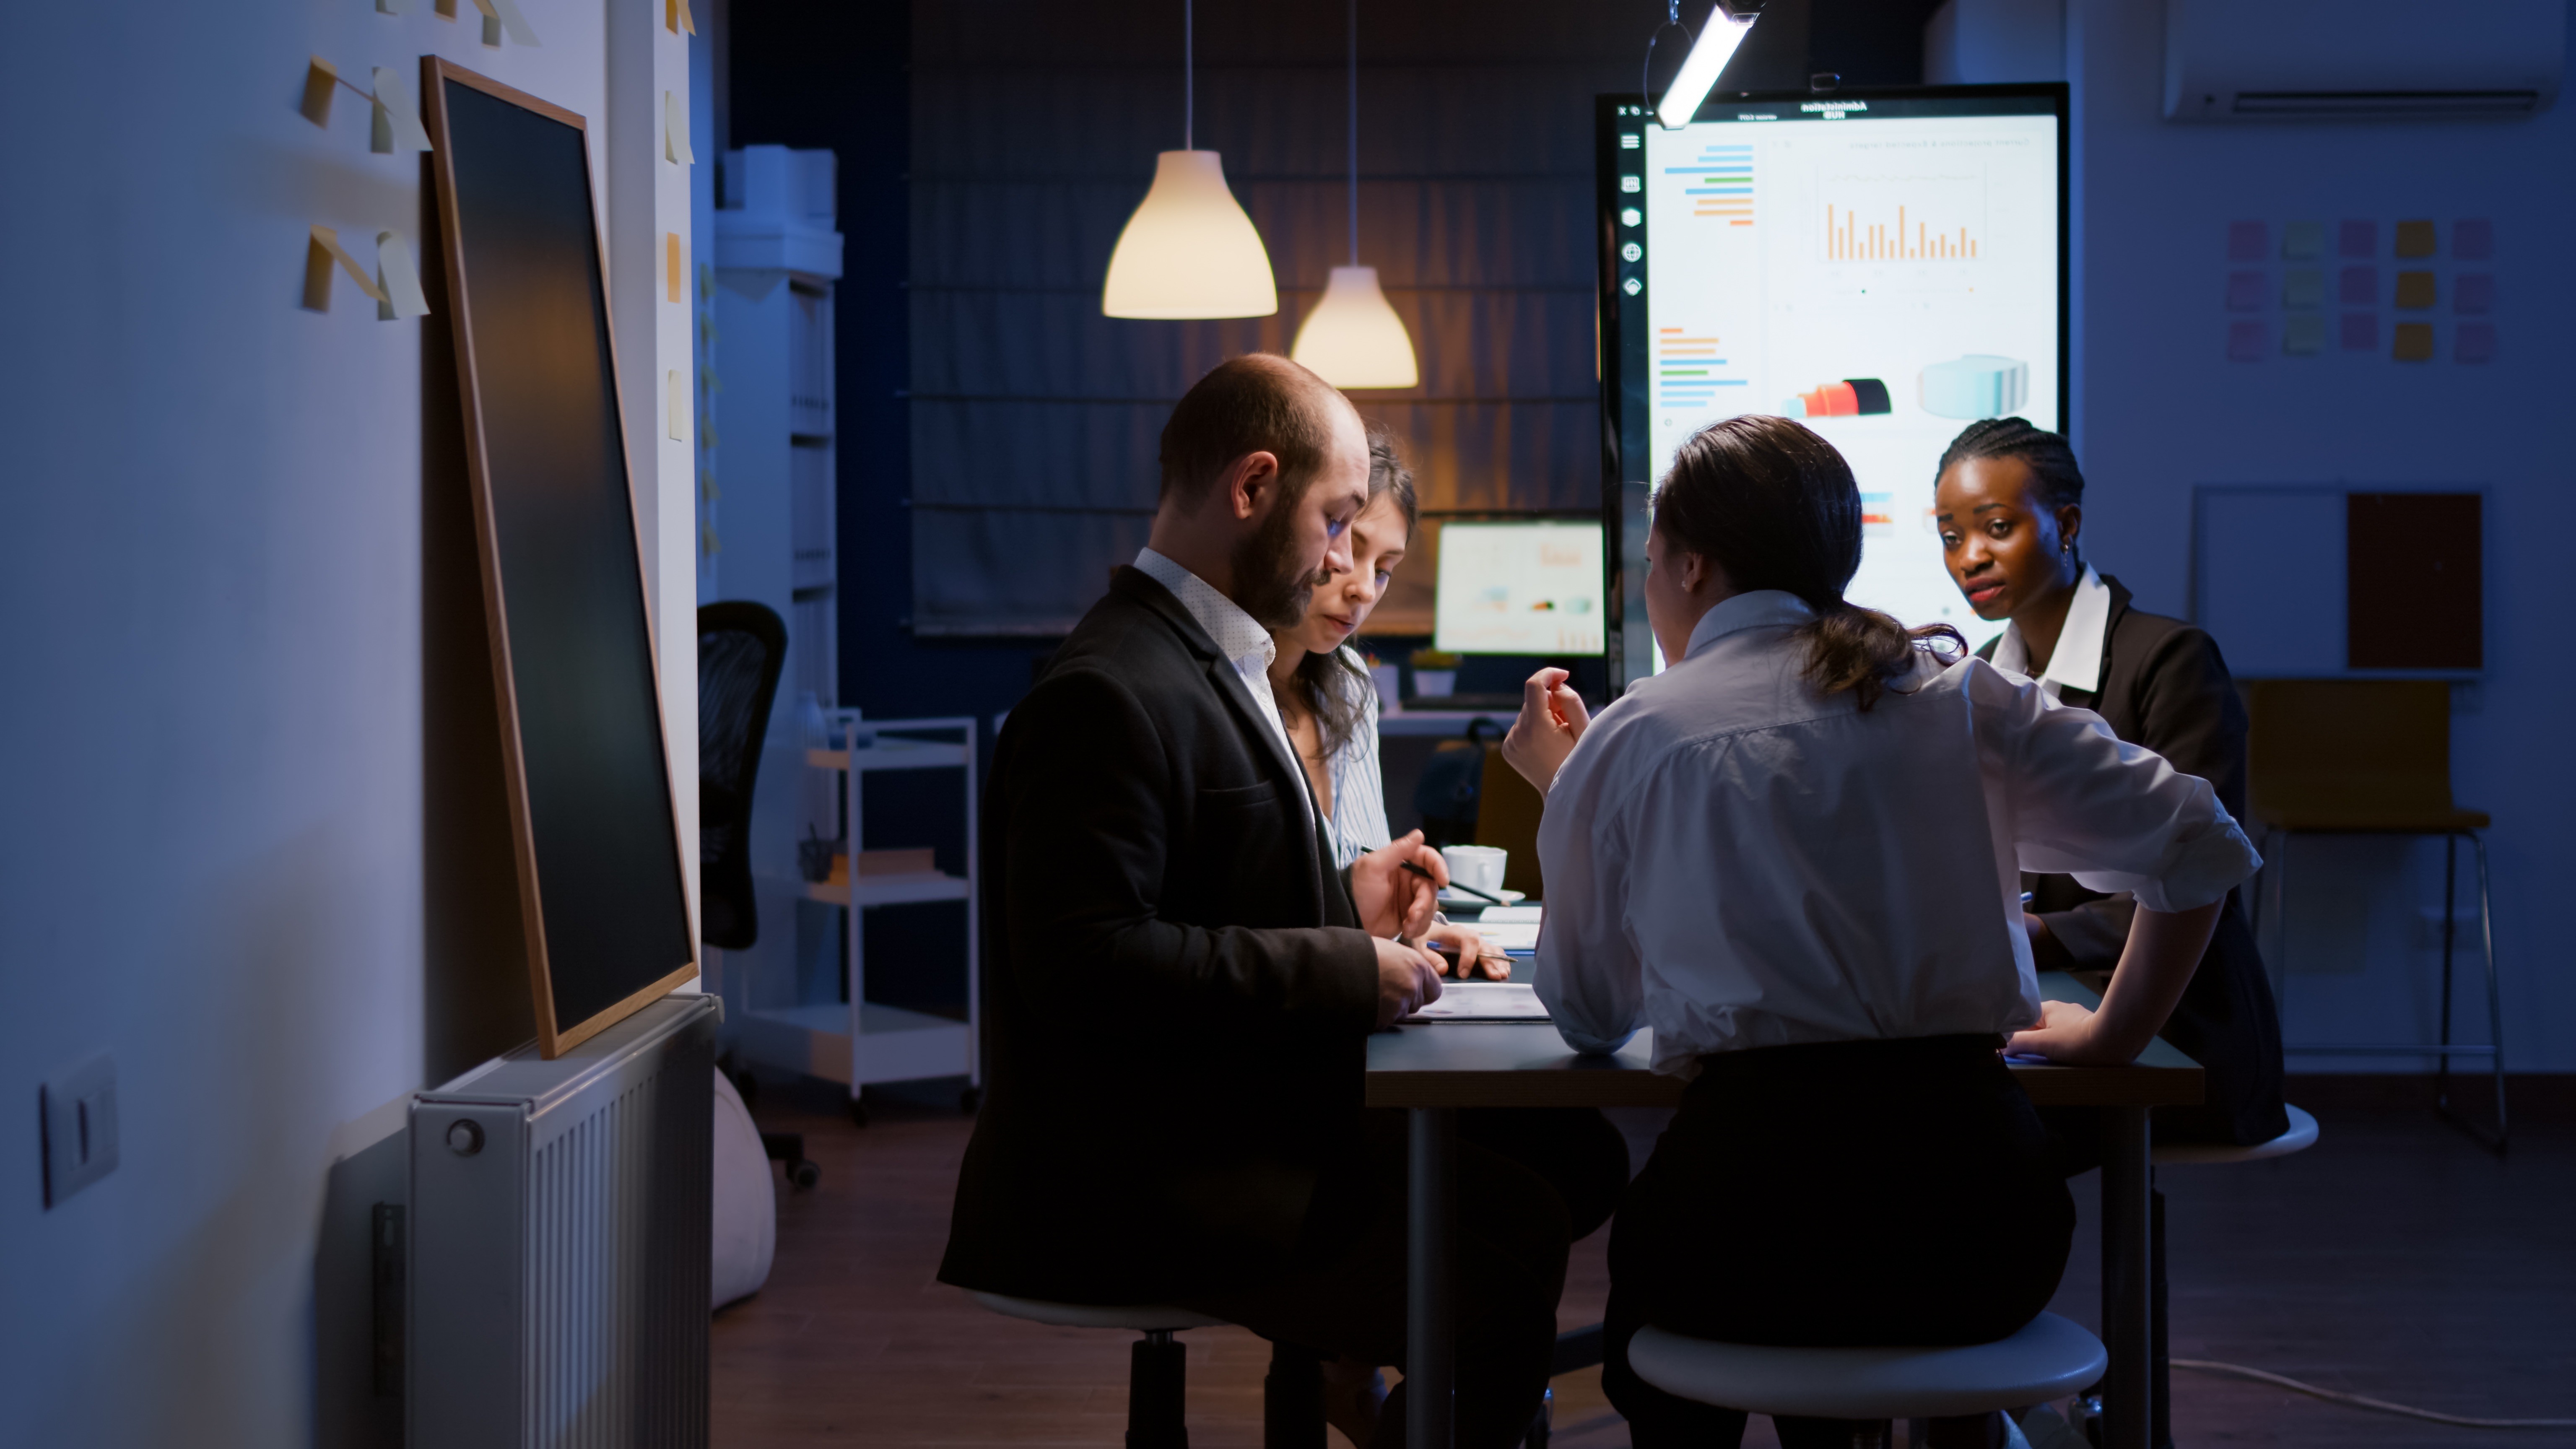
{"points": [[1452, 896]]}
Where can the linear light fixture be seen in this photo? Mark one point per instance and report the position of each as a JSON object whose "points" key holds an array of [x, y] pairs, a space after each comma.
{"points": [[1728, 21]]}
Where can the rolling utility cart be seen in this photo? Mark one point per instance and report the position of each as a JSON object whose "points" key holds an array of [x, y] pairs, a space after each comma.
{"points": [[859, 1041]]}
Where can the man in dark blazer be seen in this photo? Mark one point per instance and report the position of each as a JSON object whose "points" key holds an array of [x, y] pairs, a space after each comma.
{"points": [[1179, 986]]}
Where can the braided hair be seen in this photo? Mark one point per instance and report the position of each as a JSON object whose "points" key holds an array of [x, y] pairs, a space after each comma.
{"points": [[2055, 480]]}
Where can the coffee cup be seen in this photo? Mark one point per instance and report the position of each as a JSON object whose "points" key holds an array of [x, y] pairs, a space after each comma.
{"points": [[1477, 867]]}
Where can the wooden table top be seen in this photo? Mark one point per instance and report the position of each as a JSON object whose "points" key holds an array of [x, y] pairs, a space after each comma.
{"points": [[1526, 1064]]}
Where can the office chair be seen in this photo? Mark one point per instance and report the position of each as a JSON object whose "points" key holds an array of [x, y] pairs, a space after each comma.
{"points": [[742, 647]]}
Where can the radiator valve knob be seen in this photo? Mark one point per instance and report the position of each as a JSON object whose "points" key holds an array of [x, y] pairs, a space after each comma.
{"points": [[465, 1138]]}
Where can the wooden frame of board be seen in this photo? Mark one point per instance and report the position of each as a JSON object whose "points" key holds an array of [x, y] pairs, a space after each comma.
{"points": [[553, 1037]]}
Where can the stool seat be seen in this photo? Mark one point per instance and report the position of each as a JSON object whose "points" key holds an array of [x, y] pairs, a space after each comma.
{"points": [[2048, 1358], [2301, 1136], [1134, 1317]]}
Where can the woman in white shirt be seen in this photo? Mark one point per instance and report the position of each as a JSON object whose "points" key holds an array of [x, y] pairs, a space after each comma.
{"points": [[1796, 856]]}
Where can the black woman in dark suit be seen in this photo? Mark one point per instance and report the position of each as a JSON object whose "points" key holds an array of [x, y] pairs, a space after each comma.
{"points": [[2009, 501], [2010, 505]]}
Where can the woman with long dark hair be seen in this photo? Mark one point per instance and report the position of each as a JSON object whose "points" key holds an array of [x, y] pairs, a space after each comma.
{"points": [[1796, 855]]}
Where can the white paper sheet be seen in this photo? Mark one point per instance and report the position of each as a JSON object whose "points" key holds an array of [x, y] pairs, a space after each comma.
{"points": [[1483, 1001]]}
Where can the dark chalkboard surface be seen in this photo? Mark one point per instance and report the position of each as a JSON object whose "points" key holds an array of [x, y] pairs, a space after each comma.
{"points": [[600, 868]]}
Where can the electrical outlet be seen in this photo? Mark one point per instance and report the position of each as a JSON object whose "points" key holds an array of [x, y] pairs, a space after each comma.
{"points": [[80, 1127]]}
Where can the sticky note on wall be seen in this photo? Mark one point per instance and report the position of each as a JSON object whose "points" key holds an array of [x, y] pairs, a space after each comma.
{"points": [[2247, 241], [2360, 332], [675, 272], [675, 129], [2358, 239], [2414, 289], [678, 388], [2304, 288], [2245, 342], [2473, 292], [397, 120], [2476, 342], [2303, 335], [2414, 342], [503, 16], [323, 252], [2245, 291], [320, 79], [398, 279], [2301, 240], [2359, 287], [2415, 239]]}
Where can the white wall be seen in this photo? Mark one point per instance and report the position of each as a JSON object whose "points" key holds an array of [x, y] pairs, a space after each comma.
{"points": [[228, 854], [2158, 409]]}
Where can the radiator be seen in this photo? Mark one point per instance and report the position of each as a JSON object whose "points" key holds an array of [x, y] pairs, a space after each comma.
{"points": [[559, 1255]]}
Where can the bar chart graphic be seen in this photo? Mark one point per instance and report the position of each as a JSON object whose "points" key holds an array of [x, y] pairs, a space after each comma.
{"points": [[1690, 367], [1719, 183], [1889, 218]]}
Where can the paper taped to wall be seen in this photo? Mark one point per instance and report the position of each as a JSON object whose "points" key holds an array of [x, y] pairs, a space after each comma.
{"points": [[675, 129], [675, 14], [319, 256], [505, 14], [675, 276], [398, 278], [397, 119]]}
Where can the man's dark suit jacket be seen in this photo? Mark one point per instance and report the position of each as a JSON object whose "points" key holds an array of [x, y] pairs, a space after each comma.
{"points": [[2165, 687], [1177, 993]]}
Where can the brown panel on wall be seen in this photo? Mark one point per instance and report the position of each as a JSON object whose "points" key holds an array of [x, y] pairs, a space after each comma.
{"points": [[2415, 581]]}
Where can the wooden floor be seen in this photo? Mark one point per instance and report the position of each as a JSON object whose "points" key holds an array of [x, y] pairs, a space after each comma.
{"points": [[2395, 1260]]}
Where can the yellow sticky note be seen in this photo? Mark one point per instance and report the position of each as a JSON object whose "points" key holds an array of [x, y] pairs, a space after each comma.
{"points": [[679, 391], [393, 7], [397, 120], [675, 128], [2414, 342], [675, 14], [2415, 289], [319, 80], [398, 279], [675, 275], [2414, 239], [320, 254], [446, 9]]}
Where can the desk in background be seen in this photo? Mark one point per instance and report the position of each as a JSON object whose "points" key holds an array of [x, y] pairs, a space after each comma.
{"points": [[1433, 1070]]}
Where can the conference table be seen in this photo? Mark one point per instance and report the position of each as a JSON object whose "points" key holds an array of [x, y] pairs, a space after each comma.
{"points": [[1433, 1069]]}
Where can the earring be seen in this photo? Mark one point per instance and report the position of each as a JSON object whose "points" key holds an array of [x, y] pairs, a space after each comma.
{"points": [[2066, 546]]}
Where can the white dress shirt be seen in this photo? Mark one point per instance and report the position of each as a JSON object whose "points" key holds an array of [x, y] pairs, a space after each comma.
{"points": [[1737, 860], [2076, 663], [1239, 637]]}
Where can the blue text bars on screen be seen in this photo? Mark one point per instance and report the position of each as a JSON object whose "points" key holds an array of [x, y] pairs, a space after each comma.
{"points": [[1721, 184], [1687, 368]]}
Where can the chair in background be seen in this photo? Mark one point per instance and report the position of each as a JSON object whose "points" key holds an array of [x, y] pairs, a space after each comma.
{"points": [[742, 647], [1158, 1369], [2372, 757], [1507, 811]]}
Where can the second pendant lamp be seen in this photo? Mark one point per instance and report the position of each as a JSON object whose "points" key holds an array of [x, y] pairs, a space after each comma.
{"points": [[1189, 251], [1353, 338]]}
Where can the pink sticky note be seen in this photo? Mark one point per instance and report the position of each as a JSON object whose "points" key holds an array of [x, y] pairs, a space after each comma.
{"points": [[2361, 332], [2246, 341], [2359, 239], [2473, 292], [2248, 241], [2245, 291], [2475, 343], [2473, 239]]}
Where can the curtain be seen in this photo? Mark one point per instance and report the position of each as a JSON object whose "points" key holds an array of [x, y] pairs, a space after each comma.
{"points": [[1035, 419]]}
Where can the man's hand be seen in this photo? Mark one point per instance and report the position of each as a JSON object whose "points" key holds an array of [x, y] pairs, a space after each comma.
{"points": [[1475, 957], [1408, 979], [1392, 900], [1552, 718]]}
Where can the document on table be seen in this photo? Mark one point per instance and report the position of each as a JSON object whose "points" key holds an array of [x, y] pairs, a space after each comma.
{"points": [[1483, 1001], [1511, 929]]}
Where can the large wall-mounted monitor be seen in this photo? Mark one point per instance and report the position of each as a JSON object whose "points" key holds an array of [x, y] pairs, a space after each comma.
{"points": [[1884, 266], [601, 883]]}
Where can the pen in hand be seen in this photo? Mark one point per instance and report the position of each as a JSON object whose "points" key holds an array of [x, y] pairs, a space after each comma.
{"points": [[1486, 896]]}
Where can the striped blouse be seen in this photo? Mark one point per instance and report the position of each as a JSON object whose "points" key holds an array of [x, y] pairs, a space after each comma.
{"points": [[1358, 825]]}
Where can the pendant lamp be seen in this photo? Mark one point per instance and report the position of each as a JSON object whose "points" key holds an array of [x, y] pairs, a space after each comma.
{"points": [[1189, 251], [1353, 338]]}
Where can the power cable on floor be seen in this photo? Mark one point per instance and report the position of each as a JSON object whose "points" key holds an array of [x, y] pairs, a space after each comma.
{"points": [[2232, 1370]]}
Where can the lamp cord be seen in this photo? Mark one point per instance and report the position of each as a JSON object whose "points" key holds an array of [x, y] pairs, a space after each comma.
{"points": [[1672, 21], [1188, 99], [1355, 129], [2239, 1371]]}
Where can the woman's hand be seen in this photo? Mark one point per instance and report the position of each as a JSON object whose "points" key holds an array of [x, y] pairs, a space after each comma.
{"points": [[1552, 718], [1475, 958], [2064, 1036], [1394, 901]]}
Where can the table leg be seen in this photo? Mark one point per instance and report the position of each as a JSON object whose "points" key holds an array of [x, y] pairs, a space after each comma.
{"points": [[2127, 1303], [1430, 1339]]}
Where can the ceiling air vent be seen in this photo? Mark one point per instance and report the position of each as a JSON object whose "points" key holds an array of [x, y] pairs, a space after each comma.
{"points": [[2370, 60]]}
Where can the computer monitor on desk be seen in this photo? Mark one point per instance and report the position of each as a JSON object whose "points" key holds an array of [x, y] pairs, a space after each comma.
{"points": [[1529, 586]]}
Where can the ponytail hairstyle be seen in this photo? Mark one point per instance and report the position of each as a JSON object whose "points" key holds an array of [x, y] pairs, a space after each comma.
{"points": [[2055, 481], [1776, 507], [1328, 684]]}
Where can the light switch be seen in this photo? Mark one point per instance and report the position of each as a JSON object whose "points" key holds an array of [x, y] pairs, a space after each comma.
{"points": [[80, 1127]]}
